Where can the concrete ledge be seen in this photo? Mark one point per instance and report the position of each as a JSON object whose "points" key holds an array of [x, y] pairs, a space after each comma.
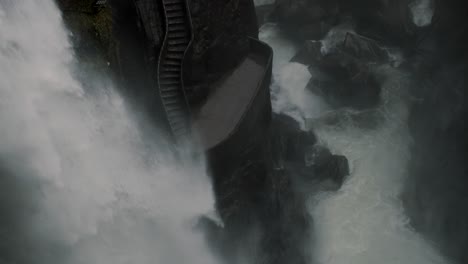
{"points": [[235, 106]]}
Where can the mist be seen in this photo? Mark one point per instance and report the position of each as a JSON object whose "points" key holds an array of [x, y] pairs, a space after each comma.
{"points": [[80, 182]]}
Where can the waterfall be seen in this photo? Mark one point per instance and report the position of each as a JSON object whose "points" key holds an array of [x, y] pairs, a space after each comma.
{"points": [[80, 183], [364, 222]]}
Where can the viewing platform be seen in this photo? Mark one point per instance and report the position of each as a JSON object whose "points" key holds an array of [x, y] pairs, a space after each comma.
{"points": [[237, 100]]}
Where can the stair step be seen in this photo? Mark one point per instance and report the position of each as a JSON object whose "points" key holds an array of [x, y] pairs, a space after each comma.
{"points": [[169, 75], [168, 2], [172, 100], [175, 21], [171, 62], [174, 35], [177, 41], [175, 14], [174, 6], [169, 82], [176, 48], [174, 107], [176, 56], [170, 69], [176, 114], [168, 95], [180, 130], [169, 89], [177, 123], [176, 28]]}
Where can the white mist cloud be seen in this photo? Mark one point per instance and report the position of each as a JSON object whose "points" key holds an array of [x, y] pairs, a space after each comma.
{"points": [[108, 194]]}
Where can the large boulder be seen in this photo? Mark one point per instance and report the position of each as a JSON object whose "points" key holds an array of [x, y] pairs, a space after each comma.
{"points": [[289, 141], [297, 153], [342, 69], [359, 91]]}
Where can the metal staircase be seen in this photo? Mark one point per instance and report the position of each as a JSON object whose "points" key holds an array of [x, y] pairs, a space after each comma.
{"points": [[171, 87]]}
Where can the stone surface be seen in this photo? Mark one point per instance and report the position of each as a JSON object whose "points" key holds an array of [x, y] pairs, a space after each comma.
{"points": [[221, 31]]}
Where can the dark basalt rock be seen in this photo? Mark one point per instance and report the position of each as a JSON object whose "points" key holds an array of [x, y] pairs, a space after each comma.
{"points": [[264, 13], [333, 168], [298, 12], [360, 91], [289, 141], [309, 53], [436, 193], [298, 154], [305, 19], [342, 76], [221, 31]]}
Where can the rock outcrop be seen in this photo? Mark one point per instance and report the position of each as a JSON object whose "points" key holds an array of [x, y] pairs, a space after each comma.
{"points": [[437, 192]]}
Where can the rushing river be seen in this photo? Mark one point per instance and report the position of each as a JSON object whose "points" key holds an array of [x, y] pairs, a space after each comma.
{"points": [[364, 222], [79, 182]]}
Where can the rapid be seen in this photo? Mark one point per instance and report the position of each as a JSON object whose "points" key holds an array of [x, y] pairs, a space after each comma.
{"points": [[364, 222]]}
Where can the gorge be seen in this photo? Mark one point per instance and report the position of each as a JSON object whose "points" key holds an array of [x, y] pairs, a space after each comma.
{"points": [[233, 131]]}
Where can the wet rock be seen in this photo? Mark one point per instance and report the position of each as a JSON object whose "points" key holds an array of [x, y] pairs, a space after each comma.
{"points": [[315, 31], [305, 19], [298, 12], [289, 141], [221, 39], [264, 13], [363, 49], [343, 87], [215, 235], [309, 53], [297, 153], [346, 117], [342, 74], [327, 166]]}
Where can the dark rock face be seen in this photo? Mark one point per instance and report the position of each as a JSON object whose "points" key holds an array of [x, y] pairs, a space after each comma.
{"points": [[305, 19], [221, 30], [361, 91], [92, 30], [290, 143], [343, 75], [437, 193], [298, 155], [260, 204], [130, 34]]}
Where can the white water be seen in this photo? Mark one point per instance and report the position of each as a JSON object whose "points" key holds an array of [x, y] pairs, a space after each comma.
{"points": [[295, 100], [364, 222], [422, 12], [108, 194]]}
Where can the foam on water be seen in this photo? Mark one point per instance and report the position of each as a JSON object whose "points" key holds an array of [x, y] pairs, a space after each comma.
{"points": [[107, 193]]}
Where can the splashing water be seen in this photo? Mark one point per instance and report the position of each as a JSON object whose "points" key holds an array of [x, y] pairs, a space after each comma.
{"points": [[84, 184], [364, 222], [296, 99], [422, 12]]}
